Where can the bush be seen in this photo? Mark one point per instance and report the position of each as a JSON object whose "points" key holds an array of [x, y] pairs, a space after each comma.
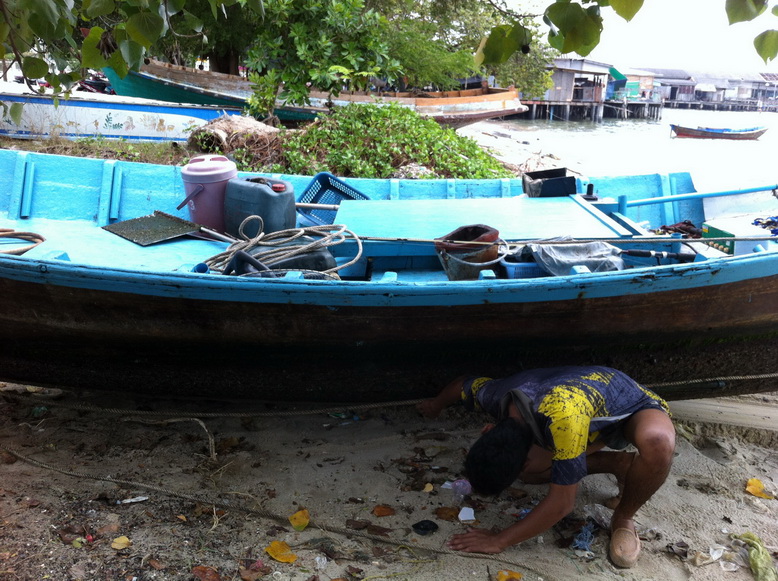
{"points": [[374, 141]]}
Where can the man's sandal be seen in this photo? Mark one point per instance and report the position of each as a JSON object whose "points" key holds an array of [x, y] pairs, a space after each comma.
{"points": [[624, 548]]}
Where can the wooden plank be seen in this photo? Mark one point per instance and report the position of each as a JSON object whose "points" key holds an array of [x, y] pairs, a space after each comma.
{"points": [[727, 411]]}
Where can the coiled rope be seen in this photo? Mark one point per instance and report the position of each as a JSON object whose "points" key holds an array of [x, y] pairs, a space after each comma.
{"points": [[285, 244], [28, 236]]}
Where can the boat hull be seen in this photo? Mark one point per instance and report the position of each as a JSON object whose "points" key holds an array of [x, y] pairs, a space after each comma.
{"points": [[706, 133], [105, 116], [185, 85], [177, 344]]}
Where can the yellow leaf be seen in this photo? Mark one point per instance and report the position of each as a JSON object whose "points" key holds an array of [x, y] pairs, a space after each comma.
{"points": [[428, 487], [280, 551], [755, 487], [505, 575], [181, 517], [120, 543], [300, 519]]}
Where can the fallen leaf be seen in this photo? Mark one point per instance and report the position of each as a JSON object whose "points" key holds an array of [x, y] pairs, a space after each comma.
{"points": [[120, 543], [506, 574], [756, 487], [300, 520], [448, 513], [281, 552], [383, 510], [378, 531], [249, 575], [155, 564], [107, 530], [428, 487], [357, 525], [181, 517], [206, 573]]}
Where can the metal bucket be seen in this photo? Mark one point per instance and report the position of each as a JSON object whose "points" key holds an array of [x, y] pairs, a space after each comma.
{"points": [[468, 250]]}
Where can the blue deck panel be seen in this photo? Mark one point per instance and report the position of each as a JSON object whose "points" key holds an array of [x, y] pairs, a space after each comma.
{"points": [[516, 218]]}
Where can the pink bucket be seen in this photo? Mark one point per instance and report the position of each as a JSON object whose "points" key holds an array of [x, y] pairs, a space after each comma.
{"points": [[205, 182]]}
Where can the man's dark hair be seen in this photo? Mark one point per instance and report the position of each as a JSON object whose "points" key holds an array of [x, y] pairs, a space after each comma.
{"points": [[497, 457]]}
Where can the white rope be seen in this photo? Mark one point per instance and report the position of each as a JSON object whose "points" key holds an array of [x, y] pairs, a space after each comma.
{"points": [[286, 244]]}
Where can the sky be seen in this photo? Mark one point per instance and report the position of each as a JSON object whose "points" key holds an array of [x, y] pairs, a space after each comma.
{"points": [[693, 34]]}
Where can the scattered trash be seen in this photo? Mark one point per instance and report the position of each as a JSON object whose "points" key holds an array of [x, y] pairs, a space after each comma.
{"points": [[300, 520], [600, 514], [679, 549], [759, 559], [756, 487], [467, 514], [131, 500], [424, 527], [583, 540], [461, 489], [321, 562]]}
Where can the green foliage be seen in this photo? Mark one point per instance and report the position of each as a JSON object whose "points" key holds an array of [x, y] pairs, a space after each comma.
{"points": [[426, 59], [299, 42], [373, 141]]}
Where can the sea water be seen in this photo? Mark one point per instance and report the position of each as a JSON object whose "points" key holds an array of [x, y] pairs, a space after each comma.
{"points": [[643, 146]]}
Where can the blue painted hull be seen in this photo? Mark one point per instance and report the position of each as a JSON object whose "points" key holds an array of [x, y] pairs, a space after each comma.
{"points": [[86, 300]]}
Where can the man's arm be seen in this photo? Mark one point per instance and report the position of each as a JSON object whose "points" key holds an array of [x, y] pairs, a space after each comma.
{"points": [[449, 395], [559, 502]]}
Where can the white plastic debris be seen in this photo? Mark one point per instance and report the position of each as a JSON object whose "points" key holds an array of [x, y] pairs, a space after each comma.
{"points": [[467, 514]]}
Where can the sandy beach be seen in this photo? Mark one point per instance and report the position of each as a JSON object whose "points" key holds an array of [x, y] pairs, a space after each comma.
{"points": [[119, 488], [115, 487]]}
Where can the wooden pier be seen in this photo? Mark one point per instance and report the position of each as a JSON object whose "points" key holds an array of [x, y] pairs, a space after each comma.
{"points": [[590, 110]]}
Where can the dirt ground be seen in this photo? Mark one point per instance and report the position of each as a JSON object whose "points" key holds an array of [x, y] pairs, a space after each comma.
{"points": [[96, 486]]}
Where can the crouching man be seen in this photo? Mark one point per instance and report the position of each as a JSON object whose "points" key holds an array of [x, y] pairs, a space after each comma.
{"points": [[552, 427]]}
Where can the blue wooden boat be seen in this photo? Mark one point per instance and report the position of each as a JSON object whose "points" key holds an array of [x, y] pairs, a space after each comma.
{"points": [[749, 133], [93, 115], [90, 309]]}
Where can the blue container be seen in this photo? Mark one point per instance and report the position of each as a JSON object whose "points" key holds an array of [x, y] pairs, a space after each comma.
{"points": [[271, 199]]}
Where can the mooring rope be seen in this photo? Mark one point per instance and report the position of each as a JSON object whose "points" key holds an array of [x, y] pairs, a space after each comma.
{"points": [[341, 407], [27, 236]]}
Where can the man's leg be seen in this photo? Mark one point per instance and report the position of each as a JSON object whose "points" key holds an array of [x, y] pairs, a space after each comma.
{"points": [[651, 431]]}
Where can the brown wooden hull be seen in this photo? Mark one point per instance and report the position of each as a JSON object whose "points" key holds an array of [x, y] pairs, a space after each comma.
{"points": [[181, 347]]}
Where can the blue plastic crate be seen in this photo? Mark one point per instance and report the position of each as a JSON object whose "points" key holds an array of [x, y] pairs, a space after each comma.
{"points": [[522, 269], [325, 188]]}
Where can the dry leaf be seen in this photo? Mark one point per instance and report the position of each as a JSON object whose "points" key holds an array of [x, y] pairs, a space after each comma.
{"points": [[448, 513], [756, 487], [357, 525], [280, 551], [120, 543], [155, 564], [428, 487], [383, 510], [203, 573], [506, 574], [300, 520]]}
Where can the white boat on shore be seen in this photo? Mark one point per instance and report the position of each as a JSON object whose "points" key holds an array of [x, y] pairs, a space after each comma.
{"points": [[84, 114]]}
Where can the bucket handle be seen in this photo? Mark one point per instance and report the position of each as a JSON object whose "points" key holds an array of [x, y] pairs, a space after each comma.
{"points": [[197, 190], [502, 246]]}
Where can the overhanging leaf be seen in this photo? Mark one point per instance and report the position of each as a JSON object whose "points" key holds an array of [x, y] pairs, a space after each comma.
{"points": [[503, 41], [97, 8], [766, 45], [145, 27], [91, 56], [744, 10], [34, 68], [15, 112], [626, 8], [579, 29]]}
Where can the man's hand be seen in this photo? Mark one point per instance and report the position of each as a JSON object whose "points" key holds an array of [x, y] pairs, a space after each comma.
{"points": [[476, 541], [430, 408]]}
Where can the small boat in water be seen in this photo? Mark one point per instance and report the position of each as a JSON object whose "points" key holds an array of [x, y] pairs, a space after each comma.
{"points": [[85, 114], [718, 133], [380, 289], [186, 85]]}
